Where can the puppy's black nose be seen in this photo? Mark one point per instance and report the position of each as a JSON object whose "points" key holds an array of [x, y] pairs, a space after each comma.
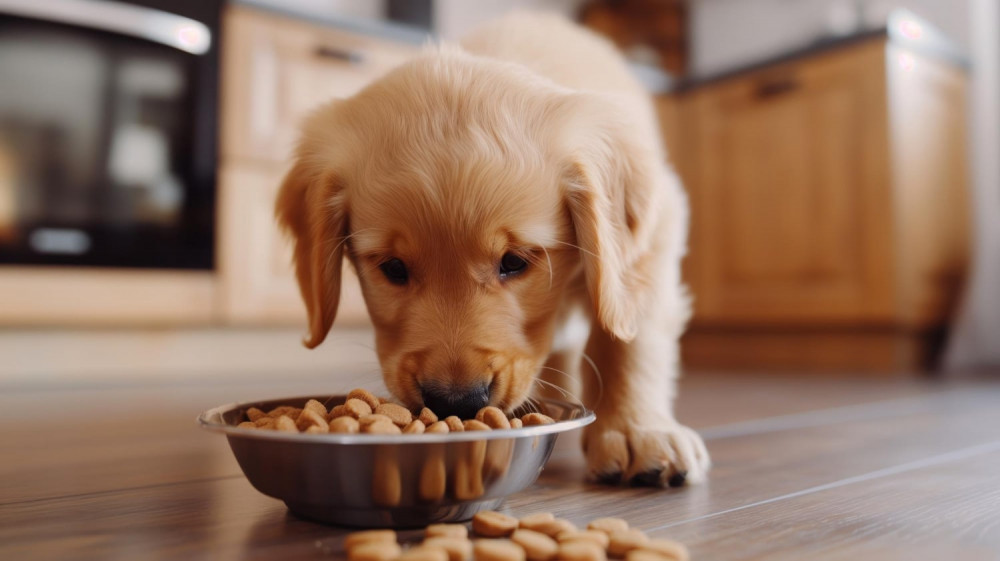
{"points": [[463, 402]]}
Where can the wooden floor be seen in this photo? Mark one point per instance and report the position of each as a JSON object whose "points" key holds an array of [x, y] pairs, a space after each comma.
{"points": [[805, 468]]}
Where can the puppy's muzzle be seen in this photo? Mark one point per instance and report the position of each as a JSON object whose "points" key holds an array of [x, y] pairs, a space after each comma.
{"points": [[463, 402]]}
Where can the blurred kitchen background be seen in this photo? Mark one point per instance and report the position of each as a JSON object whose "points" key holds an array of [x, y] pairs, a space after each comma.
{"points": [[842, 159]]}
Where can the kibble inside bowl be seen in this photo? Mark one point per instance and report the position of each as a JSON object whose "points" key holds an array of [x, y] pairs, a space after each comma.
{"points": [[376, 468]]}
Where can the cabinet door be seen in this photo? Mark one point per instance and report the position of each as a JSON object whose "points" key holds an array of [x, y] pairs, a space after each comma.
{"points": [[790, 198], [276, 70], [255, 259]]}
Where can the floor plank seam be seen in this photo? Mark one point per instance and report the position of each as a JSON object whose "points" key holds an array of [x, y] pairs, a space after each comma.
{"points": [[820, 417], [937, 460], [120, 490]]}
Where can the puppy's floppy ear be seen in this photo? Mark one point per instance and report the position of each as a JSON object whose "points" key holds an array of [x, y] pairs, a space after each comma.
{"points": [[614, 183], [310, 207]]}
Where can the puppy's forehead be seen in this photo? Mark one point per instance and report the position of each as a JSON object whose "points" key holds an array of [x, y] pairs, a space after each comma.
{"points": [[475, 206]]}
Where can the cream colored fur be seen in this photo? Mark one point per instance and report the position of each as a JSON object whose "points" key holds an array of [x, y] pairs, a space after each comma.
{"points": [[531, 138]]}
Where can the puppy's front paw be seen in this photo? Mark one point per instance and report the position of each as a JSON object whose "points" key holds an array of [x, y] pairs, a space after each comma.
{"points": [[650, 456]]}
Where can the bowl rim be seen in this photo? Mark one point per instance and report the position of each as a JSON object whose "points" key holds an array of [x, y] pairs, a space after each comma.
{"points": [[212, 420]]}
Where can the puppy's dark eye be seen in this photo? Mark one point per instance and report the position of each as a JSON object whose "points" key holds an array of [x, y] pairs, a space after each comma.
{"points": [[511, 264], [395, 271]]}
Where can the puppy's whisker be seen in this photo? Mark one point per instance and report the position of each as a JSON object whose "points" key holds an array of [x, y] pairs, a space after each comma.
{"points": [[341, 241], [567, 395], [344, 239], [590, 253], [536, 405], [600, 379], [531, 404], [549, 261], [569, 377]]}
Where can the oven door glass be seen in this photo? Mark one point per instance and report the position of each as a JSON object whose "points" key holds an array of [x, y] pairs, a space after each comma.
{"points": [[98, 149]]}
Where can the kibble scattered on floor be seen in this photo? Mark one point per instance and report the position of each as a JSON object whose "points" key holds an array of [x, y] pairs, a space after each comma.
{"points": [[501, 537]]}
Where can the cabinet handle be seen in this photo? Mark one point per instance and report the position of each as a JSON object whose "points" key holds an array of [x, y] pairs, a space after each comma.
{"points": [[776, 87], [349, 56]]}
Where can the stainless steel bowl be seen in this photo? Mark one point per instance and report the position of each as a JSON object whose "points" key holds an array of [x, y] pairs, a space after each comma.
{"points": [[408, 480]]}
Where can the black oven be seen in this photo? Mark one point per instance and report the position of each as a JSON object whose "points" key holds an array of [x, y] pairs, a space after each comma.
{"points": [[108, 132]]}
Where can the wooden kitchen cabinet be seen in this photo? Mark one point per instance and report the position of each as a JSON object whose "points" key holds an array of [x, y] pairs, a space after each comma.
{"points": [[790, 191], [275, 71], [256, 265], [829, 214]]}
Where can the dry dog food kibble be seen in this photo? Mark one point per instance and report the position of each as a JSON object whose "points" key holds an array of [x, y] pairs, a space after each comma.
{"points": [[438, 427], [458, 548], [380, 427], [265, 423], [473, 424], [399, 414], [493, 417], [283, 410], [454, 424], [285, 424], [608, 525], [498, 550], [316, 407], [625, 541], [357, 408], [643, 555], [547, 524], [310, 418], [536, 546], [450, 542], [358, 538], [363, 412], [494, 524], [424, 553], [427, 417], [415, 427], [596, 536], [579, 550], [374, 551], [446, 531], [533, 521], [346, 425], [374, 418], [668, 549], [532, 419], [366, 396]]}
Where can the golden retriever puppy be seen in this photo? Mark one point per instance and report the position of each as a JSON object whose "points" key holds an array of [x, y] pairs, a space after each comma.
{"points": [[486, 194]]}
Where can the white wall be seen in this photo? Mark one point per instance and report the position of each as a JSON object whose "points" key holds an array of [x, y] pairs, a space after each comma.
{"points": [[731, 33], [454, 18], [976, 338]]}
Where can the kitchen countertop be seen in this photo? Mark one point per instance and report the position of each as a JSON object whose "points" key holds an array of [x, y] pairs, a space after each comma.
{"points": [[806, 467], [903, 28], [377, 28]]}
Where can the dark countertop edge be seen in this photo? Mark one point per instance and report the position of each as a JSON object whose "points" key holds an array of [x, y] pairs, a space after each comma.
{"points": [[383, 29], [933, 44]]}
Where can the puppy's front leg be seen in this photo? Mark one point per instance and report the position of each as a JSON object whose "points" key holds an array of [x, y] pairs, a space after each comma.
{"points": [[636, 436]]}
